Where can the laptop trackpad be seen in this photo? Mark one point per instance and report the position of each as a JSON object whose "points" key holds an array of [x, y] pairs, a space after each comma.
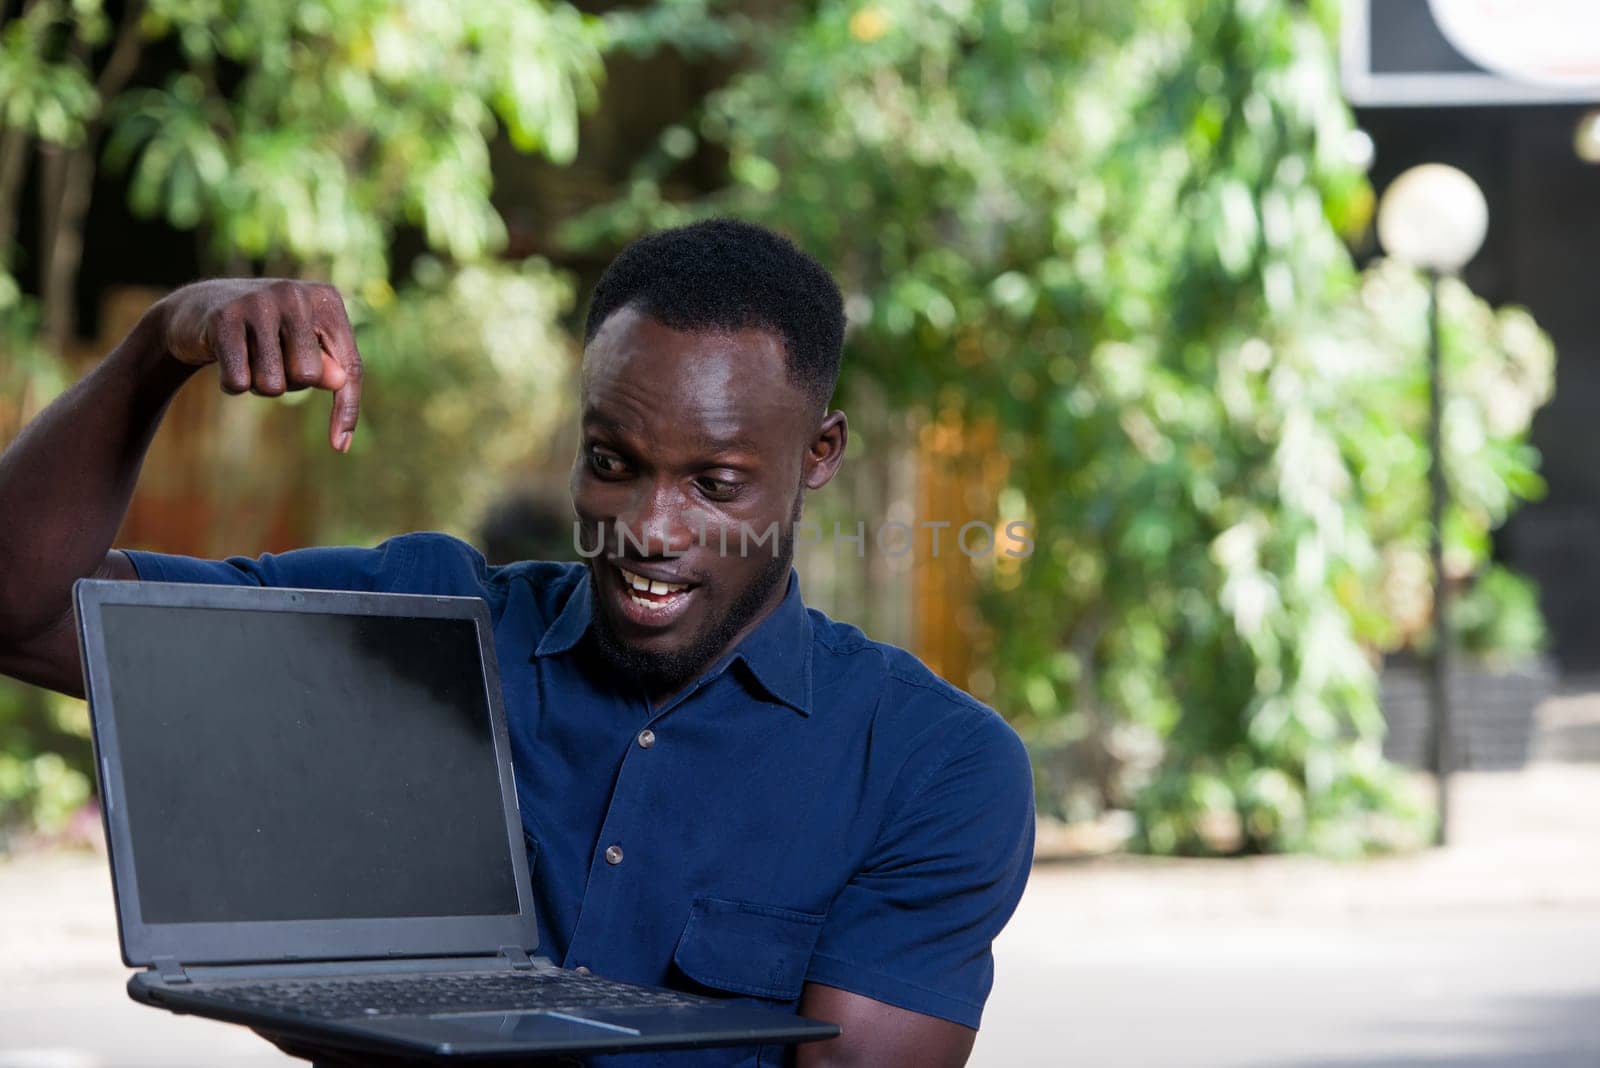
{"points": [[535, 1025]]}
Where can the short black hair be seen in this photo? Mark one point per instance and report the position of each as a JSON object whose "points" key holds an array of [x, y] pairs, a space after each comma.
{"points": [[726, 275]]}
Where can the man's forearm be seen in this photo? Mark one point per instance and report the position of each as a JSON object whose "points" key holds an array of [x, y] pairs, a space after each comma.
{"points": [[65, 483]]}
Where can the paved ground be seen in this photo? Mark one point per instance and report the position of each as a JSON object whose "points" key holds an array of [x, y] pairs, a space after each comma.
{"points": [[1486, 954], [1483, 955]]}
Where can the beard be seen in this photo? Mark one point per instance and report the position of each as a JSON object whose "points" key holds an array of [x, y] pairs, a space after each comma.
{"points": [[669, 671]]}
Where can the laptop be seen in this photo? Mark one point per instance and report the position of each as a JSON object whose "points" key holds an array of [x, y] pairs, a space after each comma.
{"points": [[313, 830]]}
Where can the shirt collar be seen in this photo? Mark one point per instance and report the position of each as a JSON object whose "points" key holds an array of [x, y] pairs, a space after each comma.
{"points": [[569, 626], [776, 655]]}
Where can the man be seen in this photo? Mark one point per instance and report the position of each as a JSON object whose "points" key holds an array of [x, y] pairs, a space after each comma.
{"points": [[724, 791]]}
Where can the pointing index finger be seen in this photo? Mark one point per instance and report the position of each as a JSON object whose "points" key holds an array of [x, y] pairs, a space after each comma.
{"points": [[341, 372], [345, 381]]}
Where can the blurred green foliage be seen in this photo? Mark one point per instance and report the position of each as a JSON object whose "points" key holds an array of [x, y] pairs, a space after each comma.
{"points": [[45, 760], [1498, 621], [346, 119], [473, 373], [1118, 231]]}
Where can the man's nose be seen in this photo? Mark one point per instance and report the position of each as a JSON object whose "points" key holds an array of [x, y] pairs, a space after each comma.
{"points": [[659, 523]]}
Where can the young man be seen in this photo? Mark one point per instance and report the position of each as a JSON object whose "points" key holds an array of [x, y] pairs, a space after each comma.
{"points": [[724, 791]]}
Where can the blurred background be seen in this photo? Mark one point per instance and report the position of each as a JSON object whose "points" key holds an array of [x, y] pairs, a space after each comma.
{"points": [[1112, 269]]}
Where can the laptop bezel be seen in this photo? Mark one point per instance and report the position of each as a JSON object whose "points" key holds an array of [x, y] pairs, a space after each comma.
{"points": [[289, 940]]}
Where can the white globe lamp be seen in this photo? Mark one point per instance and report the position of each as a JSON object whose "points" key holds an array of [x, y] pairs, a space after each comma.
{"points": [[1433, 217]]}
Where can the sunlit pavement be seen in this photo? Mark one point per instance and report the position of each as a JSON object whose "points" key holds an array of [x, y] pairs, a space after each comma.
{"points": [[67, 1006], [1484, 954]]}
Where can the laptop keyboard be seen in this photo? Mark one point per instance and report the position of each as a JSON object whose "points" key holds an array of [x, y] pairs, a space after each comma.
{"points": [[408, 995]]}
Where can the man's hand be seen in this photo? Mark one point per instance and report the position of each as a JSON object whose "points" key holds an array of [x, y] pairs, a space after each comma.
{"points": [[268, 336]]}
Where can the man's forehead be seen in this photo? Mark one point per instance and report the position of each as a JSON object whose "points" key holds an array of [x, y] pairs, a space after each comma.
{"points": [[631, 339], [707, 420], [721, 376], [704, 432]]}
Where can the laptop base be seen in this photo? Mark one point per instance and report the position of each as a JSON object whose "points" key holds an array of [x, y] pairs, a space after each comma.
{"points": [[695, 1023]]}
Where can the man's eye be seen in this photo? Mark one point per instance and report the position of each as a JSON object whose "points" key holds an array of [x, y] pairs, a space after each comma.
{"points": [[720, 488], [605, 463]]}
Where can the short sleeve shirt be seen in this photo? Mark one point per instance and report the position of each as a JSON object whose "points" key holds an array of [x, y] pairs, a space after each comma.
{"points": [[815, 807]]}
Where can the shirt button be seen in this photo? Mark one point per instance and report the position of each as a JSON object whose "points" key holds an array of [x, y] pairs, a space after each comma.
{"points": [[647, 738], [582, 969], [613, 854]]}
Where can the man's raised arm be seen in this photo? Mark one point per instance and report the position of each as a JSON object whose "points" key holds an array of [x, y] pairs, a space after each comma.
{"points": [[66, 481]]}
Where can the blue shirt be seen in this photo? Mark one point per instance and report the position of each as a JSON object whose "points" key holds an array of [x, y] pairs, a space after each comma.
{"points": [[815, 807]]}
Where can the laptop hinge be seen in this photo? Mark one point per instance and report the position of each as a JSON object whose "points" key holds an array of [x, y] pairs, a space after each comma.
{"points": [[518, 958], [171, 971]]}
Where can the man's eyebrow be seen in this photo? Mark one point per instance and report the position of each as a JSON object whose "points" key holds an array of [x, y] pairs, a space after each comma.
{"points": [[594, 419], [735, 442]]}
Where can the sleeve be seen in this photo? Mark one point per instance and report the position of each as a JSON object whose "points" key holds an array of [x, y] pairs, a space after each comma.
{"points": [[913, 928], [411, 563]]}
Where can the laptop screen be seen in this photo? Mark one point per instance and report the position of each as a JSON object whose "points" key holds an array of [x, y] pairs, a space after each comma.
{"points": [[305, 766]]}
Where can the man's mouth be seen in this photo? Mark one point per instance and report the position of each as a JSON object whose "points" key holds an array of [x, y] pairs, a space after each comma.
{"points": [[650, 601]]}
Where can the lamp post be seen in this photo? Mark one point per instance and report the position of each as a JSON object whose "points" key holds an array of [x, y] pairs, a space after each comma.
{"points": [[1434, 217]]}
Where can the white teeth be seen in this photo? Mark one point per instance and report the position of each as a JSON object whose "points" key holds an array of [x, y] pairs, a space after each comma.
{"points": [[645, 585]]}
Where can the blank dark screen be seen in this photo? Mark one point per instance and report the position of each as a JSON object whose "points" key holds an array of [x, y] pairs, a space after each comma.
{"points": [[295, 766]]}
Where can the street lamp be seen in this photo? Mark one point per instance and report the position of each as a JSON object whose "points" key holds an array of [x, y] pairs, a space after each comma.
{"points": [[1434, 217]]}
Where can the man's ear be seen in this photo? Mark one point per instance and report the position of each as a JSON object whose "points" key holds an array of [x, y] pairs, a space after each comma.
{"points": [[826, 451]]}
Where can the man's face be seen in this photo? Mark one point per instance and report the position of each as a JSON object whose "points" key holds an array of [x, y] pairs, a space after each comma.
{"points": [[690, 442]]}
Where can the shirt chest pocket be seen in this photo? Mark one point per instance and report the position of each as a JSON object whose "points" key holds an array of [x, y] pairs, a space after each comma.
{"points": [[745, 948]]}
